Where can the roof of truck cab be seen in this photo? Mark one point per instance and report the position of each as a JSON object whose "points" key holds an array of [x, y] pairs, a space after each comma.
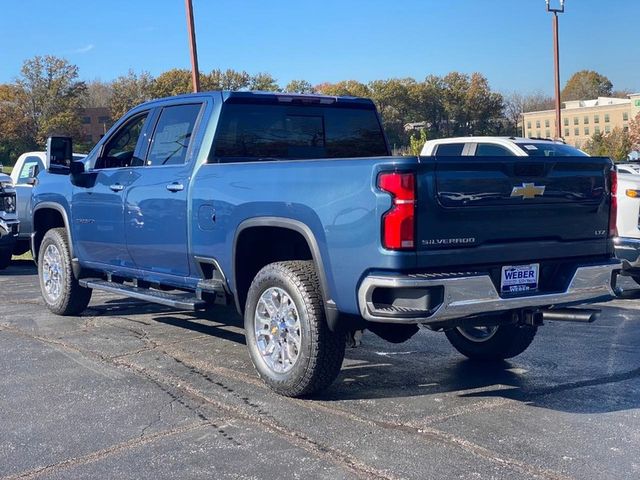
{"points": [[259, 96]]}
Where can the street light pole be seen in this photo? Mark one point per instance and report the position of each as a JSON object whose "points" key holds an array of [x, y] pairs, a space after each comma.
{"points": [[556, 62], [195, 73]]}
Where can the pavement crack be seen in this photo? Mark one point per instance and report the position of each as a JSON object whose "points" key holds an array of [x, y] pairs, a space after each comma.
{"points": [[100, 454]]}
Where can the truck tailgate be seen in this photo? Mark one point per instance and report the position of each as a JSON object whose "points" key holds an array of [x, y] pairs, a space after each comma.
{"points": [[471, 202]]}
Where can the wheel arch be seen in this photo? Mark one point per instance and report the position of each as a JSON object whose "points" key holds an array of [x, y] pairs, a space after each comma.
{"points": [[258, 225], [48, 215]]}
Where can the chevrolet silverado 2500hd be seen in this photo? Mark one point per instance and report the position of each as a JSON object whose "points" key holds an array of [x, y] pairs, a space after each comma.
{"points": [[292, 207]]}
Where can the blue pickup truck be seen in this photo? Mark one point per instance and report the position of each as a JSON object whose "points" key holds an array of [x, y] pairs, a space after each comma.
{"points": [[292, 207]]}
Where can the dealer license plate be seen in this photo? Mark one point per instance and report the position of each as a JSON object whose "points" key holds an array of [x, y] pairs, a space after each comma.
{"points": [[519, 278]]}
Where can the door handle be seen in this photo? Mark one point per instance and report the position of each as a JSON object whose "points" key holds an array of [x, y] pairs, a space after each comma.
{"points": [[175, 187], [116, 187]]}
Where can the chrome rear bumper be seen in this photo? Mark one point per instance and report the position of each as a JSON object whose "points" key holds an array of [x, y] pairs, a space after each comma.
{"points": [[628, 250], [464, 296]]}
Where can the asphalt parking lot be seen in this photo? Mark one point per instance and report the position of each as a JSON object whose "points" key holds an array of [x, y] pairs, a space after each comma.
{"points": [[137, 391]]}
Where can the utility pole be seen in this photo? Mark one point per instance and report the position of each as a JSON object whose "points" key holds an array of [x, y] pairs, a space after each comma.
{"points": [[556, 62], [195, 73]]}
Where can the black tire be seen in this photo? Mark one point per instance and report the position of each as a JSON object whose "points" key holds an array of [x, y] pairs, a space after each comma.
{"points": [[506, 341], [5, 258], [321, 352], [70, 298]]}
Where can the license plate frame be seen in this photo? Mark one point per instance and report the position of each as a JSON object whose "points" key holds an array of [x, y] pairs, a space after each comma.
{"points": [[520, 278]]}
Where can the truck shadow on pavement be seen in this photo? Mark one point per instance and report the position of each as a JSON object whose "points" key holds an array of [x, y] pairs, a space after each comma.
{"points": [[584, 383]]}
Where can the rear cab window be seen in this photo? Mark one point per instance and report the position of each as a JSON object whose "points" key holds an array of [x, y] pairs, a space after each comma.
{"points": [[550, 150], [265, 131]]}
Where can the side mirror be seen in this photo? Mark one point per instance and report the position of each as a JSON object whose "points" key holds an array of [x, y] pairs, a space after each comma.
{"points": [[32, 181], [76, 168], [59, 153]]}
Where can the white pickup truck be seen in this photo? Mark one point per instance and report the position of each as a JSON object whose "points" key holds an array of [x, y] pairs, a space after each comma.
{"points": [[23, 175], [627, 243]]}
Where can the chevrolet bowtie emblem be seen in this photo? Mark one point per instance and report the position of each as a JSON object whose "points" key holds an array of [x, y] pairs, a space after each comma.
{"points": [[527, 190]]}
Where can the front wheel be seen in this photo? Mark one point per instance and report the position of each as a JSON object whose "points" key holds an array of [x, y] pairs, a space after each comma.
{"points": [[495, 342], [288, 338], [61, 291]]}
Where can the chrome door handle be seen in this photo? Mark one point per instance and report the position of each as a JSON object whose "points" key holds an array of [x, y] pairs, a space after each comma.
{"points": [[116, 187], [175, 187]]}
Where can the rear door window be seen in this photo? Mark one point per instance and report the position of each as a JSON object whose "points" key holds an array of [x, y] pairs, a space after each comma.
{"points": [[449, 149], [172, 135], [491, 150]]}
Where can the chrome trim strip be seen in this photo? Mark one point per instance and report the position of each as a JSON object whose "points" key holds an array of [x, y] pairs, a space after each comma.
{"points": [[466, 296]]}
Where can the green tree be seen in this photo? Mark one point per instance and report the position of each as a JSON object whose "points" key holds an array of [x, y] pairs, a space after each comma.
{"points": [[428, 99], [98, 94], [344, 88], [53, 96], [15, 127], [176, 81], [225, 80], [263, 82], [634, 132], [585, 85], [130, 90], [616, 145], [416, 142], [395, 102], [299, 86]]}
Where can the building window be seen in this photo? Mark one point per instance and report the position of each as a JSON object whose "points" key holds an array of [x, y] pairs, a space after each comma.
{"points": [[576, 131], [586, 120], [606, 118], [104, 120], [586, 130], [576, 121], [86, 120], [625, 116], [538, 133], [566, 132], [529, 124], [566, 122], [537, 123], [607, 129], [625, 128], [597, 129], [547, 133], [530, 133], [546, 123], [596, 119]]}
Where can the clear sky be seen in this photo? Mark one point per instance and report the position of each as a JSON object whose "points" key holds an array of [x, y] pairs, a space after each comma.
{"points": [[509, 41]]}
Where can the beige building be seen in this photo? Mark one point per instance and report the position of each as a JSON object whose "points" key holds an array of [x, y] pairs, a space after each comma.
{"points": [[582, 118]]}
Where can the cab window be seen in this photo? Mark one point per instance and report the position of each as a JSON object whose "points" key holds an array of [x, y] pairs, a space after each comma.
{"points": [[172, 135], [120, 150], [31, 167], [450, 149], [490, 150]]}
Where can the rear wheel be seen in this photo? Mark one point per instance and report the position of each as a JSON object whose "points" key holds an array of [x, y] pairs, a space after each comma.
{"points": [[61, 291], [5, 258], [495, 342], [289, 341]]}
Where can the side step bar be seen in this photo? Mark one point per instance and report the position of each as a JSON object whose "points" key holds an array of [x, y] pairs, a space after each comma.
{"points": [[181, 301]]}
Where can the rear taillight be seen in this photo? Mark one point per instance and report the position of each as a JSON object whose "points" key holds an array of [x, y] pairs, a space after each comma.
{"points": [[398, 223], [613, 210]]}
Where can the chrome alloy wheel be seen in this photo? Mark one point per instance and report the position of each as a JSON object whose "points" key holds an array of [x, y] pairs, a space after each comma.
{"points": [[277, 329], [478, 334], [52, 272]]}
